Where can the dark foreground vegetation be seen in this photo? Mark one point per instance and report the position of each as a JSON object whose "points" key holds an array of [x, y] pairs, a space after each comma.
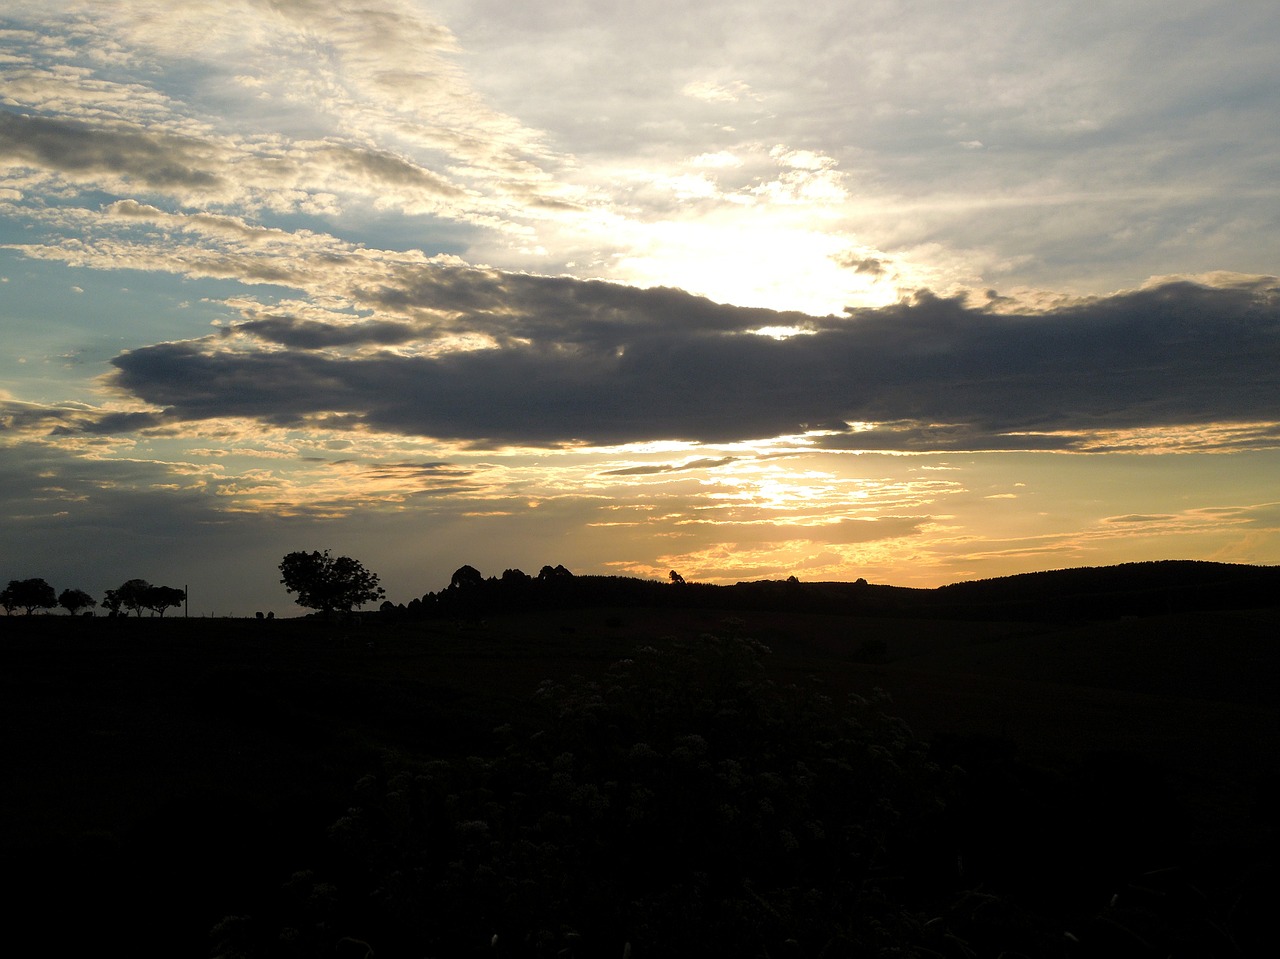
{"points": [[1086, 770]]}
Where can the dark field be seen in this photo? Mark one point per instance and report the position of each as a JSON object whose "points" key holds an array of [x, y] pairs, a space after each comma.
{"points": [[161, 775]]}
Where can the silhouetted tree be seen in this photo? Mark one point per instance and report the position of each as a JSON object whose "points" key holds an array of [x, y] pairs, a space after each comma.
{"points": [[74, 600], [160, 598], [676, 578], [467, 593], [131, 595], [29, 594], [466, 577], [328, 583]]}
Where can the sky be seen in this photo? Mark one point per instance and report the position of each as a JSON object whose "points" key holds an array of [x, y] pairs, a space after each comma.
{"points": [[915, 291]]}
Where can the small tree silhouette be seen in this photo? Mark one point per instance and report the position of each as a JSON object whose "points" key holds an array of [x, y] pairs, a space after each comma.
{"points": [[74, 600], [159, 598]]}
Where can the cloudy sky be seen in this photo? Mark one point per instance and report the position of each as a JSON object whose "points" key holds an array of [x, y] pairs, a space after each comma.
{"points": [[912, 290]]}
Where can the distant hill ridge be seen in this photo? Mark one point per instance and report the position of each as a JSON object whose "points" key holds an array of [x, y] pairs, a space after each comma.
{"points": [[1146, 588], [1159, 573], [1150, 587]]}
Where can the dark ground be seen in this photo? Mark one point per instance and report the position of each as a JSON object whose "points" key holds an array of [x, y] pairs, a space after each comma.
{"points": [[163, 774]]}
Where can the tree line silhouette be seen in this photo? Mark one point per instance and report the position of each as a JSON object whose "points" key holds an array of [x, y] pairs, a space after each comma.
{"points": [[132, 596], [340, 585]]}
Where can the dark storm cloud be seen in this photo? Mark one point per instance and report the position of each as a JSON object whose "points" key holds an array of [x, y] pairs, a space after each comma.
{"points": [[18, 419], [108, 423], [70, 147], [314, 335], [608, 364], [913, 436], [587, 313]]}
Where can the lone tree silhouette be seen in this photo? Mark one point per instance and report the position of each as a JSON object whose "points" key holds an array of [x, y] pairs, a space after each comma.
{"points": [[326, 582], [30, 594], [74, 600], [159, 598]]}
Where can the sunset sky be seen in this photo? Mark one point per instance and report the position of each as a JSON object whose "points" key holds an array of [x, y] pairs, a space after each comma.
{"points": [[913, 290]]}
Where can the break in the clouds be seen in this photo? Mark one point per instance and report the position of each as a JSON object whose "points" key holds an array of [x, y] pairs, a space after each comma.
{"points": [[912, 290]]}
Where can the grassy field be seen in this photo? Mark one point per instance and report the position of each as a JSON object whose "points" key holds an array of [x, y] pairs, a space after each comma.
{"points": [[162, 774]]}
